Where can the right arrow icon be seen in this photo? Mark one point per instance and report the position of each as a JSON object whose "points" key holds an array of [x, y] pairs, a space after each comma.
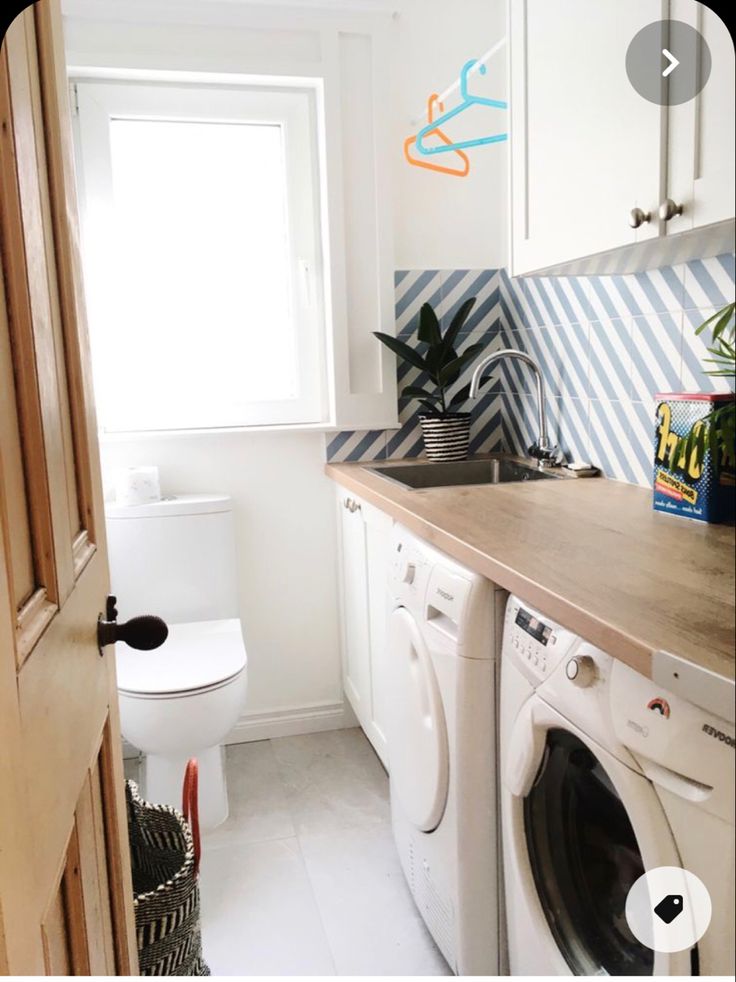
{"points": [[673, 63]]}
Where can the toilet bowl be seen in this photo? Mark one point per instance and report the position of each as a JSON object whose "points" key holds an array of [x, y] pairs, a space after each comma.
{"points": [[176, 558], [181, 701]]}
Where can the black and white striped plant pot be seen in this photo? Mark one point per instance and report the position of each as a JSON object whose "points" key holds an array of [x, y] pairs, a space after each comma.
{"points": [[446, 437]]}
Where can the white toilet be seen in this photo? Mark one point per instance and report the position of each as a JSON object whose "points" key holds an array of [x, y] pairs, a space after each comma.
{"points": [[176, 558]]}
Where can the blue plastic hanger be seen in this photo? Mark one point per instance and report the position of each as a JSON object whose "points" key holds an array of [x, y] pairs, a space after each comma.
{"points": [[467, 100]]}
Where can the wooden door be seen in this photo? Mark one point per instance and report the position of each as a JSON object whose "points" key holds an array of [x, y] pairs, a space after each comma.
{"points": [[65, 888]]}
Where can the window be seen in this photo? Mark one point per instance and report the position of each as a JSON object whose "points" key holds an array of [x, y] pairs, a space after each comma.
{"points": [[200, 212]]}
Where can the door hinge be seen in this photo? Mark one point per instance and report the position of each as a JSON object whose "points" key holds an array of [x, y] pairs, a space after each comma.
{"points": [[74, 98]]}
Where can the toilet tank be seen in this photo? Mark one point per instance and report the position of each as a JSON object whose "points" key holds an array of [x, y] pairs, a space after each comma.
{"points": [[174, 558]]}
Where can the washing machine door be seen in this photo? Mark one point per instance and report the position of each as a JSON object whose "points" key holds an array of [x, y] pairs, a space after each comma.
{"points": [[417, 733], [580, 827]]}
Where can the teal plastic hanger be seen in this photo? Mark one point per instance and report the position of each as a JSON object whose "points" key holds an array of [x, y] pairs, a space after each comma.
{"points": [[466, 100]]}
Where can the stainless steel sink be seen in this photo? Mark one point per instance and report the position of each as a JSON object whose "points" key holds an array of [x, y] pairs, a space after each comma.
{"points": [[496, 470]]}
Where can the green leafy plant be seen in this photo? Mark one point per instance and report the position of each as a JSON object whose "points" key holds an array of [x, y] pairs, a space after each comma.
{"points": [[437, 357], [718, 430]]}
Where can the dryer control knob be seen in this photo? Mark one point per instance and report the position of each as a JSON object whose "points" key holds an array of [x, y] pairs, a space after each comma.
{"points": [[581, 671], [406, 572]]}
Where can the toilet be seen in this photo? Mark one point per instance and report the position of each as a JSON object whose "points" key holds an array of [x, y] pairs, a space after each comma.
{"points": [[176, 558]]}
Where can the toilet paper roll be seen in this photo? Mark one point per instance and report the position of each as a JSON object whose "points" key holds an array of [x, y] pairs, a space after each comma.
{"points": [[137, 486]]}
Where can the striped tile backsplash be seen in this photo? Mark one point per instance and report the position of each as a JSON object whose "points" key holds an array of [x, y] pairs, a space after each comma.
{"points": [[606, 345]]}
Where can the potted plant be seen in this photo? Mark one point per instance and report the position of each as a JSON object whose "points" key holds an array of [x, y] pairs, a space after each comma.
{"points": [[717, 431], [445, 428]]}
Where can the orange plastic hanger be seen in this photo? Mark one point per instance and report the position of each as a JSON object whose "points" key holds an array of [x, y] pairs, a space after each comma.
{"points": [[411, 140]]}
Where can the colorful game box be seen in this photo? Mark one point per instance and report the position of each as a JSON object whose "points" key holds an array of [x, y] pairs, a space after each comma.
{"points": [[703, 492]]}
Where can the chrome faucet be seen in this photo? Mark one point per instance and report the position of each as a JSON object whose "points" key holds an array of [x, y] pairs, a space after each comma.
{"points": [[546, 454]]}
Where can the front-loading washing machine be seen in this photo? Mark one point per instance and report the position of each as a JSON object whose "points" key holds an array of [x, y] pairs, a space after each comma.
{"points": [[605, 777], [442, 748]]}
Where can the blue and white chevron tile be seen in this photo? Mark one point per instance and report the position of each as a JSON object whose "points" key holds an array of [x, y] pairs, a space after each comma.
{"points": [[606, 345]]}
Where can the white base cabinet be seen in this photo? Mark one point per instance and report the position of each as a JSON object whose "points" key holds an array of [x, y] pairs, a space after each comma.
{"points": [[364, 535]]}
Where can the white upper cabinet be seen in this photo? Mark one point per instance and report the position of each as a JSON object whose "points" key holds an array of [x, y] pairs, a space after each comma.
{"points": [[701, 132], [587, 150]]}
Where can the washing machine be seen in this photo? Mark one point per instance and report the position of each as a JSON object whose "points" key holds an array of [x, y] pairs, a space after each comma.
{"points": [[604, 777], [442, 748]]}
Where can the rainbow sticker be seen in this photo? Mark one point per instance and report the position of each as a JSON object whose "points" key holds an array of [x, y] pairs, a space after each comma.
{"points": [[659, 705]]}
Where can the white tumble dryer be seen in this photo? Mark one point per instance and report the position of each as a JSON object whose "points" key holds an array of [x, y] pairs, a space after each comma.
{"points": [[605, 776], [441, 744]]}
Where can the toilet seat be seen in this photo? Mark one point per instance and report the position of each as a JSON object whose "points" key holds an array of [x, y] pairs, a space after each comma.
{"points": [[196, 657]]}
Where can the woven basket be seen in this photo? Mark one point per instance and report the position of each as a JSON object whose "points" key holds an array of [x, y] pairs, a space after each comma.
{"points": [[446, 437], [165, 863]]}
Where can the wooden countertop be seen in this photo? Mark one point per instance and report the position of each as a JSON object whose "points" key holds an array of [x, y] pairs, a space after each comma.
{"points": [[590, 553]]}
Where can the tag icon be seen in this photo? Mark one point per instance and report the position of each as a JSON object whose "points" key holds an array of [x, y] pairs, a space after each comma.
{"points": [[669, 907]]}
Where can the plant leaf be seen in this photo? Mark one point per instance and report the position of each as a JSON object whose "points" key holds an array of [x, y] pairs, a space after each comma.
{"points": [[463, 394], [713, 446], [724, 319], [417, 392], [456, 324], [429, 327], [402, 349], [430, 408], [451, 371], [722, 315]]}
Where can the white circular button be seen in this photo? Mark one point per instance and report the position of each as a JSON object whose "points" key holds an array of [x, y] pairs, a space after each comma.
{"points": [[668, 909], [581, 670]]}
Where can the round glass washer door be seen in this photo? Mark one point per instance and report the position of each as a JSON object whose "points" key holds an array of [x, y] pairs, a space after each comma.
{"points": [[417, 732], [584, 859]]}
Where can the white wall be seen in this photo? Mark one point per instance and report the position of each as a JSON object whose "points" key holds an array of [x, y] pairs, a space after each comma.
{"points": [[286, 537], [286, 541], [444, 222], [440, 222]]}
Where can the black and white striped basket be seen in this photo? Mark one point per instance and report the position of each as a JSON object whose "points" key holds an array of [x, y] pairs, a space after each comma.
{"points": [[446, 437], [166, 888]]}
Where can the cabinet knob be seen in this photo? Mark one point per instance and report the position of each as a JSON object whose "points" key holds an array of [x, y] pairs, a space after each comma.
{"points": [[669, 209], [638, 217]]}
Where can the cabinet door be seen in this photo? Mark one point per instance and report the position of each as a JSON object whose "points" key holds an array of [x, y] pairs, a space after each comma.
{"points": [[585, 147], [378, 541], [701, 132], [355, 606]]}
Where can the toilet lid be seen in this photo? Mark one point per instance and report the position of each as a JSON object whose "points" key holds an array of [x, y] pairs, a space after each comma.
{"points": [[194, 656]]}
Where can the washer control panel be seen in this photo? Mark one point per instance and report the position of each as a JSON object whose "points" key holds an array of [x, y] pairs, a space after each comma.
{"points": [[532, 641]]}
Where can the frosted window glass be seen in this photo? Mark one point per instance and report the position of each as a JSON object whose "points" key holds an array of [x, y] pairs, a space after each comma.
{"points": [[201, 320]]}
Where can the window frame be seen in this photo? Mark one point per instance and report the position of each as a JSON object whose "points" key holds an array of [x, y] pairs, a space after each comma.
{"points": [[294, 105]]}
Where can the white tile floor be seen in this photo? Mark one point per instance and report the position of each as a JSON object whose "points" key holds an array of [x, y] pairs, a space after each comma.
{"points": [[303, 878]]}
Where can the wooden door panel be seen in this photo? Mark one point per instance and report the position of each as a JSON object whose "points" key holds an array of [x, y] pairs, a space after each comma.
{"points": [[36, 612], [46, 364], [61, 734], [64, 211], [23, 577], [77, 929], [63, 828], [56, 955], [90, 824]]}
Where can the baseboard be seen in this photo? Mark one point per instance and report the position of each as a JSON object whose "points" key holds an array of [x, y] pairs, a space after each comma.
{"points": [[292, 722]]}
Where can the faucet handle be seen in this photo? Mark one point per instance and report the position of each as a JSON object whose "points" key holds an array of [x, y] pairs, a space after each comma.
{"points": [[547, 456]]}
